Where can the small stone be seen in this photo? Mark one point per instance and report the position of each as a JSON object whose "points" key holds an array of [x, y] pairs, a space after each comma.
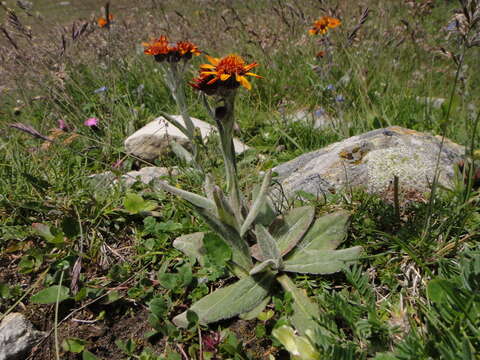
{"points": [[154, 139], [436, 103], [318, 118], [145, 175], [371, 161], [17, 337]]}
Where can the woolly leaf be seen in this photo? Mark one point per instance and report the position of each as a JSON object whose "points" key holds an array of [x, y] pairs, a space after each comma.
{"points": [[224, 303], [252, 314], [194, 199], [322, 261], [326, 233], [290, 228], [305, 312], [258, 203], [263, 266], [191, 245], [240, 250], [267, 244]]}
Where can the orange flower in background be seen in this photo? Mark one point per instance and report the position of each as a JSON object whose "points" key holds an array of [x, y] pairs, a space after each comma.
{"points": [[172, 52], [158, 46], [229, 72], [186, 48], [102, 22], [322, 25]]}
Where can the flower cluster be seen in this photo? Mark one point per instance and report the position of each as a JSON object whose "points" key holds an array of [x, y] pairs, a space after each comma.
{"points": [[163, 50], [322, 25], [229, 72]]}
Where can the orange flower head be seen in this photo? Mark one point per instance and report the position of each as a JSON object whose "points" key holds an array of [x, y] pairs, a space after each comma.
{"points": [[229, 72], [187, 49], [322, 25], [162, 50], [102, 22]]}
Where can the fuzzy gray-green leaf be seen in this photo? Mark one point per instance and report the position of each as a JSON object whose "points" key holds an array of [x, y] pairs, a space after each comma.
{"points": [[229, 301], [224, 210], [322, 261], [197, 200], [290, 228], [326, 233], [266, 242], [252, 314], [305, 311], [191, 245], [240, 251], [263, 266], [258, 203], [181, 152]]}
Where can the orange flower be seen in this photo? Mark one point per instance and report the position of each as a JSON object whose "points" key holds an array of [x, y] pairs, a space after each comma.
{"points": [[102, 22], [231, 71], [323, 24], [157, 46], [186, 48], [163, 50]]}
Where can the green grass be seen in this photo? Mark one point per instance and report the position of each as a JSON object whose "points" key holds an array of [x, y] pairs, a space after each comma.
{"points": [[387, 307]]}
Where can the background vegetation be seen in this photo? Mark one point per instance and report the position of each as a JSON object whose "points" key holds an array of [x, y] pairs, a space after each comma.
{"points": [[413, 296]]}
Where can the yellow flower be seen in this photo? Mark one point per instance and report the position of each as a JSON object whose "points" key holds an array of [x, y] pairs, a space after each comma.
{"points": [[229, 72], [322, 25]]}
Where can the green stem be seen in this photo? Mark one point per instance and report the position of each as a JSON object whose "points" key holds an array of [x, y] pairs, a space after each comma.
{"points": [[225, 120], [57, 347], [174, 79]]}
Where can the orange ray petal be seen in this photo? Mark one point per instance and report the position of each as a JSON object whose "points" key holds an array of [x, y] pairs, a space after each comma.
{"points": [[244, 82], [254, 75], [225, 77], [213, 60], [207, 66], [250, 66]]}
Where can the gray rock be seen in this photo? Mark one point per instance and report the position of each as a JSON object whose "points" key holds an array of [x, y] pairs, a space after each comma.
{"points": [[145, 175], [370, 161], [17, 337], [154, 139]]}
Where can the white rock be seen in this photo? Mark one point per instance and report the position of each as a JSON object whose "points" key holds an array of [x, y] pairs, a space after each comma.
{"points": [[154, 139], [17, 337]]}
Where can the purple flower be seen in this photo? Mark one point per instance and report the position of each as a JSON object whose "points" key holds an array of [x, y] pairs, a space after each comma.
{"points": [[91, 122], [339, 98], [319, 112], [330, 87], [117, 164], [62, 125], [100, 90], [211, 341], [453, 25]]}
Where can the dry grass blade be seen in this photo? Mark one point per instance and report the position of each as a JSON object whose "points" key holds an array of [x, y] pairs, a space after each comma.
{"points": [[353, 34], [15, 22], [29, 130], [9, 38]]}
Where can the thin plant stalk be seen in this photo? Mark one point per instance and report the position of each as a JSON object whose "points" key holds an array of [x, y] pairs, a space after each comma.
{"points": [[225, 120], [444, 126], [57, 303]]}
